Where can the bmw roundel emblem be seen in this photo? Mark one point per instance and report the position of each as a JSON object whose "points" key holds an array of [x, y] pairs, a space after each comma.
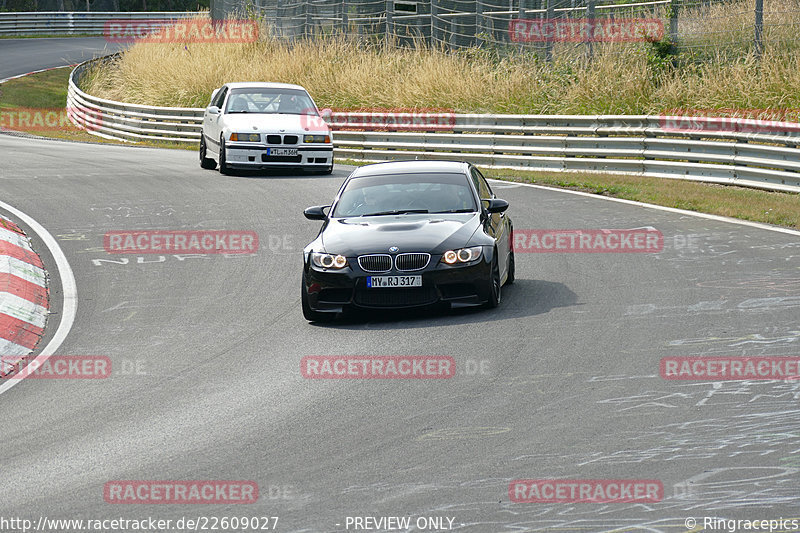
{"points": [[394, 249]]}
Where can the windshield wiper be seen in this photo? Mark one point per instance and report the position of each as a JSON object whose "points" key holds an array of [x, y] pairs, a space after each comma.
{"points": [[234, 112], [467, 210], [395, 212]]}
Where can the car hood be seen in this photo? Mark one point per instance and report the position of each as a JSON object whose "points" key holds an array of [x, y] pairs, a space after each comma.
{"points": [[273, 123], [410, 233]]}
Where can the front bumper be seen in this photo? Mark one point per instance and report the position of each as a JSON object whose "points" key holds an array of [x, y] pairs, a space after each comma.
{"points": [[254, 156], [334, 290]]}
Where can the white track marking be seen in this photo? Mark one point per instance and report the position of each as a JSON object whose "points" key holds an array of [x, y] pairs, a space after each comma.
{"points": [[33, 72], [68, 286], [758, 225]]}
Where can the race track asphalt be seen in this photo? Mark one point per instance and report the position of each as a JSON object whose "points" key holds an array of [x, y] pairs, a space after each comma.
{"points": [[561, 381]]}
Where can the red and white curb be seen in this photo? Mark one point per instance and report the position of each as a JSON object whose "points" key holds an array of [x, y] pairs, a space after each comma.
{"points": [[24, 299]]}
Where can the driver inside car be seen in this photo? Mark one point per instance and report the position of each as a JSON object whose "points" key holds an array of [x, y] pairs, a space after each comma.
{"points": [[371, 201], [239, 104], [289, 105]]}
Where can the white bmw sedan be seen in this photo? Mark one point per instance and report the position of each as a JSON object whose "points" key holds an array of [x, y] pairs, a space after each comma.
{"points": [[264, 126]]}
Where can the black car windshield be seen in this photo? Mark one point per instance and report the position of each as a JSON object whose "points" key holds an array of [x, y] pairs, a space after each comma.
{"points": [[254, 100], [405, 193]]}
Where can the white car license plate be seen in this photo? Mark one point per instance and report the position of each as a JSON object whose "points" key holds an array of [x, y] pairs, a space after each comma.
{"points": [[282, 151], [380, 282]]}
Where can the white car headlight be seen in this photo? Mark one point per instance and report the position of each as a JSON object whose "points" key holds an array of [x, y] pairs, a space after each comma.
{"points": [[248, 137], [328, 260], [462, 255], [316, 138]]}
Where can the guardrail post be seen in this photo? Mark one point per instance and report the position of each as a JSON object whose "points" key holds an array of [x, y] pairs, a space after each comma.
{"points": [[548, 51], [590, 36], [216, 9], [389, 20], [345, 21], [453, 40], [434, 24], [307, 23], [759, 27], [673, 22], [478, 22]]}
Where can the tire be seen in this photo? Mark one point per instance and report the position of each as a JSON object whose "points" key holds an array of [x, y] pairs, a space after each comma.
{"points": [[308, 313], [223, 165], [495, 285], [205, 162], [512, 267]]}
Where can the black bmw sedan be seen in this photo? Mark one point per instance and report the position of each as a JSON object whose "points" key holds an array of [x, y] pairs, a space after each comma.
{"points": [[408, 234]]}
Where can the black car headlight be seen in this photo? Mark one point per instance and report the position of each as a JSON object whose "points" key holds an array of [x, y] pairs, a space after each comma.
{"points": [[462, 255], [333, 261]]}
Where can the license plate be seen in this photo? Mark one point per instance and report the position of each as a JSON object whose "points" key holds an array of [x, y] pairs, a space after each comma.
{"points": [[380, 282], [282, 151]]}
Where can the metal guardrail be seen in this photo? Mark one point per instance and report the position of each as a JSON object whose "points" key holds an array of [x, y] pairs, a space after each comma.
{"points": [[75, 22], [623, 144]]}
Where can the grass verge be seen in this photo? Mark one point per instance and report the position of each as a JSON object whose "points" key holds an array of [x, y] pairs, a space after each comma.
{"points": [[781, 209], [48, 91], [36, 105], [714, 68], [778, 208]]}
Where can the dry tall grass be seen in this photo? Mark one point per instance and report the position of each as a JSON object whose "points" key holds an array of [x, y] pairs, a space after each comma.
{"points": [[343, 73], [729, 25]]}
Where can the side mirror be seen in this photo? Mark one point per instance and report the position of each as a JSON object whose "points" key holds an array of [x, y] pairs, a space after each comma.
{"points": [[212, 110], [316, 213], [496, 205]]}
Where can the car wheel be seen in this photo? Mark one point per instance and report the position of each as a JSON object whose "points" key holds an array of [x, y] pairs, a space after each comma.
{"points": [[328, 170], [205, 162], [511, 268], [223, 165], [308, 313], [495, 286]]}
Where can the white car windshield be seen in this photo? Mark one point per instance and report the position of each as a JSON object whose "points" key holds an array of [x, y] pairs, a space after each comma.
{"points": [[285, 101]]}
